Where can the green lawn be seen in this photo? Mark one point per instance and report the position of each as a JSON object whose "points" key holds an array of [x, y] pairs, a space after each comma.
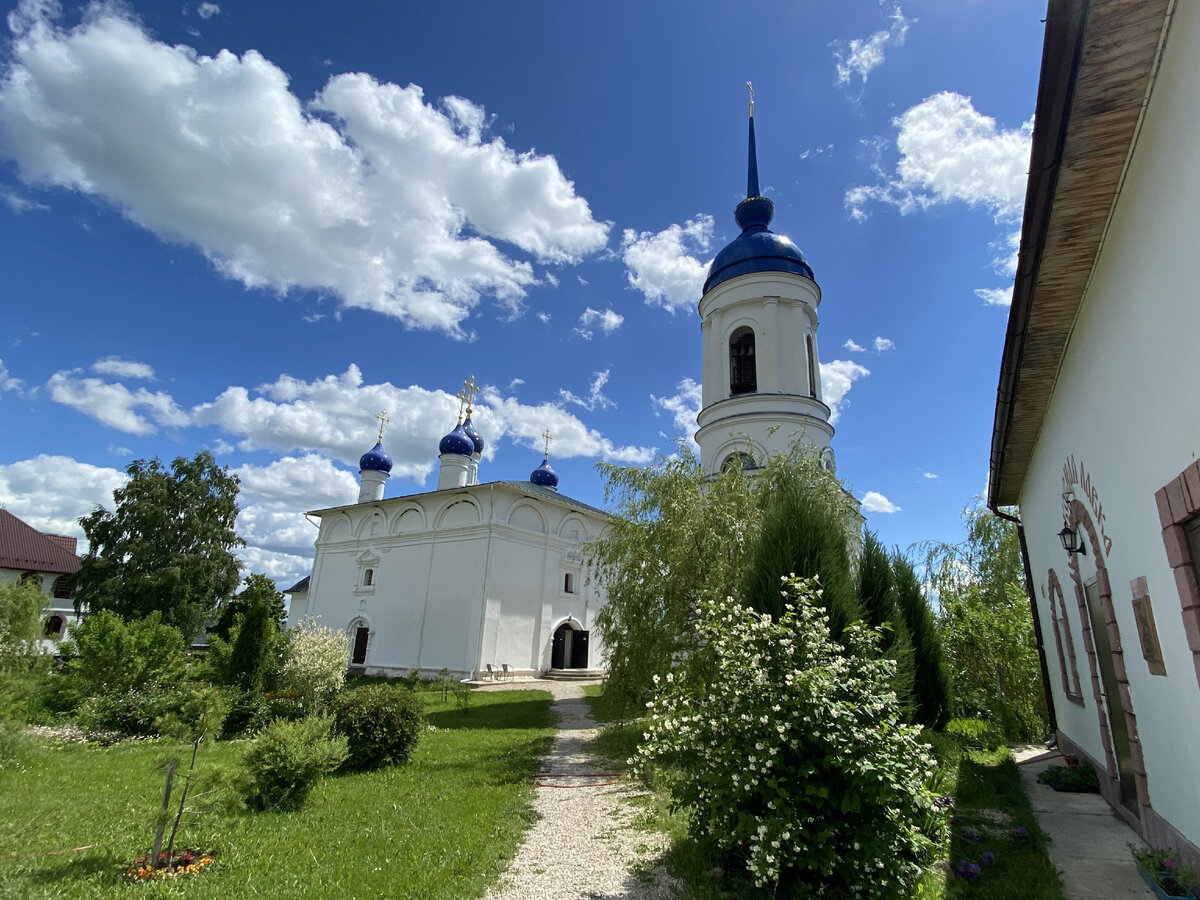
{"points": [[443, 826]]}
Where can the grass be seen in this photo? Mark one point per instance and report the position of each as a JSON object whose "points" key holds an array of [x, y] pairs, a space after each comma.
{"points": [[443, 826], [990, 802]]}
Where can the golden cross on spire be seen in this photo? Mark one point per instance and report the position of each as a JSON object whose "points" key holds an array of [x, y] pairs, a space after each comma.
{"points": [[471, 389], [462, 401], [546, 434], [750, 87], [383, 420]]}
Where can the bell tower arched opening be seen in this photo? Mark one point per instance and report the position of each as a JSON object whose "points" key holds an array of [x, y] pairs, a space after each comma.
{"points": [[743, 370]]}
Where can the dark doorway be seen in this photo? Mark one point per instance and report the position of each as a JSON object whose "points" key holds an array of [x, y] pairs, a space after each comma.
{"points": [[569, 648], [359, 656], [1117, 728]]}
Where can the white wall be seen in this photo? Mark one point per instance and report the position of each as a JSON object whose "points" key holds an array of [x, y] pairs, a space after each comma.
{"points": [[1125, 406]]}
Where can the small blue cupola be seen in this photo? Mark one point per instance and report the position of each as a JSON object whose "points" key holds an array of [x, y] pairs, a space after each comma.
{"points": [[457, 442], [375, 460], [757, 248], [544, 476], [473, 433]]}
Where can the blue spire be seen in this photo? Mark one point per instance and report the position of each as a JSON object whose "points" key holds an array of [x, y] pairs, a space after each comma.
{"points": [[752, 164]]}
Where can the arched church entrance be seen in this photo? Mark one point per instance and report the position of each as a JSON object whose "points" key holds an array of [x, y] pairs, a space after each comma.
{"points": [[569, 647]]}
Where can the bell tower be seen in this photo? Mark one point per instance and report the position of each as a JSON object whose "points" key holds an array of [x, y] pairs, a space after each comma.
{"points": [[761, 381]]}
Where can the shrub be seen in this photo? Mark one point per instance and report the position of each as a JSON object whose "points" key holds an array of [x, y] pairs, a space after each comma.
{"points": [[107, 655], [382, 723], [315, 668], [975, 734], [287, 759], [793, 753], [246, 714], [135, 713]]}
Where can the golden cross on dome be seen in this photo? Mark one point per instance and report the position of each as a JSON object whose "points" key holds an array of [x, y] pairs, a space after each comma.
{"points": [[750, 87], [546, 434], [462, 401], [471, 390], [383, 420]]}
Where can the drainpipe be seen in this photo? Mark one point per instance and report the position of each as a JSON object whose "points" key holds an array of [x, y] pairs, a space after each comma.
{"points": [[1037, 619]]}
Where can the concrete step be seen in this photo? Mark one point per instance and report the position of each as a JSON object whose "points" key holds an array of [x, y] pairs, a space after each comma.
{"points": [[574, 674]]}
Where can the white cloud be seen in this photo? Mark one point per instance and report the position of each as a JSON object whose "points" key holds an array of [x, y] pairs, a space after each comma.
{"points": [[854, 347], [875, 502], [208, 10], [813, 152], [525, 424], [928, 475], [366, 191], [608, 320], [859, 56], [950, 152], [116, 405], [995, 296], [123, 368], [284, 568], [275, 497], [882, 344], [7, 381], [595, 398], [661, 265], [18, 204], [684, 405], [836, 379], [51, 493], [544, 318]]}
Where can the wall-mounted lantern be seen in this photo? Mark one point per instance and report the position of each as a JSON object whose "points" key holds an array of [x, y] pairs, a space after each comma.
{"points": [[1070, 540]]}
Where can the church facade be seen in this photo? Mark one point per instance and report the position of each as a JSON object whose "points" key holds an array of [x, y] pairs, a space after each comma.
{"points": [[481, 578]]}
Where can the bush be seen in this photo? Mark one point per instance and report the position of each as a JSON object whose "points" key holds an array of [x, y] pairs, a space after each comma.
{"points": [[108, 656], [136, 713], [382, 723], [315, 668], [793, 753], [975, 734], [286, 761]]}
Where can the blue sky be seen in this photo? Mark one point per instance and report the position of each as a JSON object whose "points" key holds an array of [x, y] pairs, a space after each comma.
{"points": [[228, 227]]}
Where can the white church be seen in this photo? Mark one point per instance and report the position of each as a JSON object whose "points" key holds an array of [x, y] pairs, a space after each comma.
{"points": [[487, 578]]}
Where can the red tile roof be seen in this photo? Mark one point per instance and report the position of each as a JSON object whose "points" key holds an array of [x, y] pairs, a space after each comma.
{"points": [[25, 548]]}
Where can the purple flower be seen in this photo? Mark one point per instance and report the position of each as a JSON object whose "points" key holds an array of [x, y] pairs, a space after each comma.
{"points": [[967, 869], [946, 802], [969, 834], [1169, 864], [1019, 832], [986, 858]]}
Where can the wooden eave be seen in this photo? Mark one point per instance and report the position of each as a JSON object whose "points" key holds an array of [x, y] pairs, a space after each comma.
{"points": [[1098, 64]]}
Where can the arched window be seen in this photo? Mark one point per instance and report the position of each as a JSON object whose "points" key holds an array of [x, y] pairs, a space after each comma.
{"points": [[64, 587], [743, 375], [368, 577], [31, 578], [812, 366], [744, 459], [54, 626]]}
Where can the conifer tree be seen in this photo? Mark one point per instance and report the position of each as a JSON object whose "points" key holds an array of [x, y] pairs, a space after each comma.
{"points": [[931, 684], [876, 590]]}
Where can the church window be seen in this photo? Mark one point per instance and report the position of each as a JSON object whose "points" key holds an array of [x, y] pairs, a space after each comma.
{"points": [[569, 583], [812, 366], [743, 374], [368, 577], [31, 578], [64, 587], [744, 459]]}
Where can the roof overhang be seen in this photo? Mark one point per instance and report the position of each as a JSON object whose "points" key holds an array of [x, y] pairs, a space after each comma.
{"points": [[1098, 65]]}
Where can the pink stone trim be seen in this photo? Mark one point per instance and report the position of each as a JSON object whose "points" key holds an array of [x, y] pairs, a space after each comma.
{"points": [[1062, 634], [1178, 501]]}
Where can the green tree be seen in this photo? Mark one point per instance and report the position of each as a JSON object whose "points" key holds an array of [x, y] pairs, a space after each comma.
{"points": [[987, 627], [877, 591], [21, 607], [808, 523], [253, 646], [167, 546], [680, 537], [106, 655], [931, 685], [257, 586]]}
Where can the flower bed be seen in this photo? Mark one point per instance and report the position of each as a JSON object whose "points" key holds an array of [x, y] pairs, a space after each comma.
{"points": [[189, 862]]}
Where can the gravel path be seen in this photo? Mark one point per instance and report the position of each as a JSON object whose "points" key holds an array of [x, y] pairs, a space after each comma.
{"points": [[582, 847]]}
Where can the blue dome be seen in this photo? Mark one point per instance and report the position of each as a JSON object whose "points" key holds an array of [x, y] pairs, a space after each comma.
{"points": [[457, 442], [757, 248], [544, 476], [473, 434], [375, 460]]}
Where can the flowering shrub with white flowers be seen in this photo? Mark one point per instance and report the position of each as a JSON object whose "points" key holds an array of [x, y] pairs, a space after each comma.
{"points": [[792, 753], [316, 663]]}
